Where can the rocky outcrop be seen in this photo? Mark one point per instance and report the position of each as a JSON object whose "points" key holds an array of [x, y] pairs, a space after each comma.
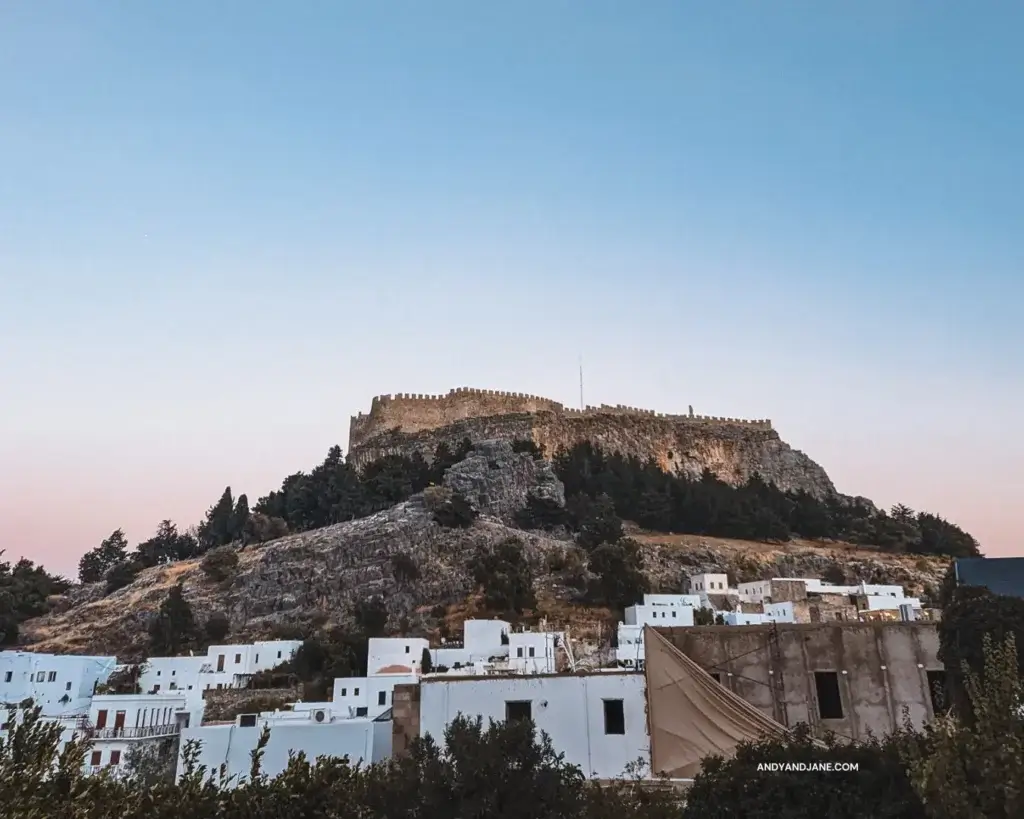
{"points": [[498, 480], [732, 449]]}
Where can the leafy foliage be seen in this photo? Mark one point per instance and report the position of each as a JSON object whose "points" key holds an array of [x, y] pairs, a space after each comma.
{"points": [[220, 563], [173, 630], [167, 545], [482, 771], [656, 500], [620, 580], [456, 512], [879, 788], [972, 615], [505, 575], [95, 564], [975, 767], [24, 591], [122, 574]]}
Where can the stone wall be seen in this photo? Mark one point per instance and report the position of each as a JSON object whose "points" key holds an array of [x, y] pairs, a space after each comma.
{"points": [[880, 668], [224, 704], [405, 718], [732, 449]]}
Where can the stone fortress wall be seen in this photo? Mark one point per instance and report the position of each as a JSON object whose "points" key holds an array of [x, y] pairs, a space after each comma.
{"points": [[412, 413]]}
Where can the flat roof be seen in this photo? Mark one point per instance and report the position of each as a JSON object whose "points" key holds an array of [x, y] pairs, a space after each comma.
{"points": [[614, 672]]}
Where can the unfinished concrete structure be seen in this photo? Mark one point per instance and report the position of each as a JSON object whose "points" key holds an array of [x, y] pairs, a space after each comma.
{"points": [[849, 678]]}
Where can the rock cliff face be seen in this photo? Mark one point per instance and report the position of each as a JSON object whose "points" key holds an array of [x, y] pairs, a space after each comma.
{"points": [[732, 449], [309, 579]]}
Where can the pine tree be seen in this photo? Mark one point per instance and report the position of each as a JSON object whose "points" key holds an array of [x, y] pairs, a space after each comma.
{"points": [[216, 529], [174, 629], [95, 564]]}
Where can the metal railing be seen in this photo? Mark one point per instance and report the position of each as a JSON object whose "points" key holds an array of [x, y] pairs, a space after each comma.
{"points": [[146, 732]]}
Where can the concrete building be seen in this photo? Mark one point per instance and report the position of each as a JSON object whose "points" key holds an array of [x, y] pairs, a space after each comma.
{"points": [[223, 666], [598, 720], [849, 678], [316, 731], [60, 684]]}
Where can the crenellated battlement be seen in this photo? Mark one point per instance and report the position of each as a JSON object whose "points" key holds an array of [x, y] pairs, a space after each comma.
{"points": [[418, 412]]}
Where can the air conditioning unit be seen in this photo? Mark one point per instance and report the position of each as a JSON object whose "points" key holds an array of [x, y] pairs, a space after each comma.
{"points": [[320, 715]]}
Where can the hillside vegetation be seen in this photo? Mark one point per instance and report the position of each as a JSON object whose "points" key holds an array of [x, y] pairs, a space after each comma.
{"points": [[492, 530]]}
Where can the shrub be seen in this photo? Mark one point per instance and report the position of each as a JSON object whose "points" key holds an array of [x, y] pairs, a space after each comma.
{"points": [[260, 528], [457, 513], [220, 563], [404, 568], [121, 575], [217, 627]]}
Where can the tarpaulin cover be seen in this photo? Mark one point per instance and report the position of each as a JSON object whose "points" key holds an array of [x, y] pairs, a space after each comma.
{"points": [[691, 715]]}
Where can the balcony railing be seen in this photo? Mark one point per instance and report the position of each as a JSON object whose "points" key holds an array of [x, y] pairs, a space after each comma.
{"points": [[146, 732]]}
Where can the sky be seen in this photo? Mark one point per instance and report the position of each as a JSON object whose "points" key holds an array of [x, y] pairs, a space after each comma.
{"points": [[225, 226]]}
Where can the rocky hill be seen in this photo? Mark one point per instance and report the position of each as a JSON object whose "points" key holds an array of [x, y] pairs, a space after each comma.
{"points": [[685, 445], [300, 582]]}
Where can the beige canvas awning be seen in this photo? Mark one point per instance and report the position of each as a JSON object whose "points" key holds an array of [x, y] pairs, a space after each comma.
{"points": [[691, 715]]}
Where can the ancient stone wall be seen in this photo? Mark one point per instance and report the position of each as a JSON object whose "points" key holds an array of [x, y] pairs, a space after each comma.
{"points": [[733, 449]]}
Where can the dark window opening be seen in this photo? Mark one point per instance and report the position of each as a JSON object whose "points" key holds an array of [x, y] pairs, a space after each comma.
{"points": [[937, 691], [96, 758], [382, 697], [518, 709], [830, 702], [361, 712], [717, 676], [614, 717], [247, 721]]}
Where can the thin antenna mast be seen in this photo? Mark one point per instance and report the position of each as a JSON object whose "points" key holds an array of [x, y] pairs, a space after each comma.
{"points": [[581, 382]]}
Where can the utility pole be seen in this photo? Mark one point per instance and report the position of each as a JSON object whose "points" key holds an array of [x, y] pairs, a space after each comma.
{"points": [[581, 382]]}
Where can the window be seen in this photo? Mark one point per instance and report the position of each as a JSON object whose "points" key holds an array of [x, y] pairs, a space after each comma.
{"points": [[830, 702], [157, 688], [279, 655], [407, 649], [257, 658], [238, 659], [174, 673], [344, 692], [519, 651], [40, 676], [355, 692], [96, 759], [382, 697], [360, 712], [937, 691], [8, 676], [518, 709], [614, 717], [101, 719], [52, 676], [247, 720], [67, 685], [115, 757], [158, 673], [531, 651]]}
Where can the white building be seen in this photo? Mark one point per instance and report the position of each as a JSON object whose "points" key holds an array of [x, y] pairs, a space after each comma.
{"points": [[116, 722], [315, 731], [531, 652], [368, 697], [709, 583], [655, 610], [58, 683], [598, 720], [223, 666]]}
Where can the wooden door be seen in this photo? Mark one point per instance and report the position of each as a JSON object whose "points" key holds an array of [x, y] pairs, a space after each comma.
{"points": [[101, 719], [119, 720]]}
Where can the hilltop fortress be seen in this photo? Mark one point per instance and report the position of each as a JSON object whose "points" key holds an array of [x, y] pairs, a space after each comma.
{"points": [[733, 449]]}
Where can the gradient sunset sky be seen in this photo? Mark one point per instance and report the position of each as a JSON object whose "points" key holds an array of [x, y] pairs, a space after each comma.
{"points": [[225, 226]]}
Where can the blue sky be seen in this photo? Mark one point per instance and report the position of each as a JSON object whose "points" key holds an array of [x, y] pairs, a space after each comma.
{"points": [[225, 226]]}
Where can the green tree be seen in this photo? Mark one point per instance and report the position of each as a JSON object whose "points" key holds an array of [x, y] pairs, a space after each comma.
{"points": [[167, 545], [975, 768], [239, 518], [216, 529], [173, 630], [878, 788], [620, 581], [598, 522], [505, 575], [426, 662], [122, 574], [95, 564], [217, 627]]}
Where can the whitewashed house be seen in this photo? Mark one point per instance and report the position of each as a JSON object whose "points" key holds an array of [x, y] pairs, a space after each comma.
{"points": [[663, 610], [597, 720], [116, 722], [315, 729], [60, 684], [532, 652], [369, 697], [223, 666]]}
